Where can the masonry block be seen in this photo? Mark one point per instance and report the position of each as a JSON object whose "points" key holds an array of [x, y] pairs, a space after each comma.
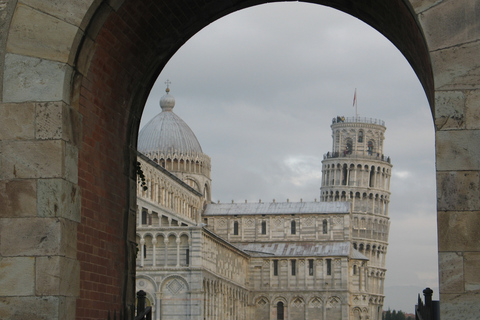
{"points": [[58, 198], [449, 110], [71, 12], [451, 272], [459, 306], [38, 159], [18, 198], [38, 237], [472, 276], [38, 34], [56, 120], [35, 79], [472, 108], [455, 68], [57, 275], [449, 23], [458, 191], [456, 151], [458, 231], [36, 308], [17, 276], [18, 121]]}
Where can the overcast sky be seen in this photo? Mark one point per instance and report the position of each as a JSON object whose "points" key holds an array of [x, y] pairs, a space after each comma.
{"points": [[260, 87]]}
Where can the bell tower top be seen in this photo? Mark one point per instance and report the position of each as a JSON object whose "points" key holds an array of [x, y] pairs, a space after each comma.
{"points": [[358, 137]]}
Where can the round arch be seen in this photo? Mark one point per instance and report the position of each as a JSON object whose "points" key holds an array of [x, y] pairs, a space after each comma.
{"points": [[95, 76]]}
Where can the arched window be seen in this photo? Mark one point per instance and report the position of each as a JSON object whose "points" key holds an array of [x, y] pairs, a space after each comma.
{"points": [[325, 226], [144, 217], [370, 147], [349, 146], [235, 228], [264, 227], [360, 136], [293, 227], [280, 311]]}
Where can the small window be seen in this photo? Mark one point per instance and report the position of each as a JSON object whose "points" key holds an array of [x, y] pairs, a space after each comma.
{"points": [[187, 257], [144, 217], [294, 267], [293, 227], [360, 136], [354, 269], [310, 267], [235, 228], [329, 267], [275, 267], [144, 250], [325, 226], [264, 227]]}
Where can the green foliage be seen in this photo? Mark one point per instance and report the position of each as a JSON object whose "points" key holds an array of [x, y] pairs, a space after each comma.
{"points": [[141, 176], [395, 315]]}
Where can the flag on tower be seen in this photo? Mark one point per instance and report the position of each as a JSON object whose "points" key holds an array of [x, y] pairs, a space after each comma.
{"points": [[355, 97]]}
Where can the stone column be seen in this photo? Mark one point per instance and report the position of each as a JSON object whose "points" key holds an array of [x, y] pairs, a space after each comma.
{"points": [[154, 248]]}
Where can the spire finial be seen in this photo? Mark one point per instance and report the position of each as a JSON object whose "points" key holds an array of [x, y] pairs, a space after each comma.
{"points": [[168, 85]]}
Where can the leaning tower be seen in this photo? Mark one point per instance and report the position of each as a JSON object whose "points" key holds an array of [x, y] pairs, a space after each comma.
{"points": [[356, 170]]}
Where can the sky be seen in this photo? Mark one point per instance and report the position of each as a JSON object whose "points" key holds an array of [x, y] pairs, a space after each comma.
{"points": [[260, 87]]}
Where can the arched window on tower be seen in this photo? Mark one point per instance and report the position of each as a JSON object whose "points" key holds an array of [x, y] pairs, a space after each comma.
{"points": [[144, 217], [348, 146], [293, 227], [360, 136], [325, 226], [370, 147]]}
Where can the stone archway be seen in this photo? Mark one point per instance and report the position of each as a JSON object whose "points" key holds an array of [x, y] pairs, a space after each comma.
{"points": [[74, 78]]}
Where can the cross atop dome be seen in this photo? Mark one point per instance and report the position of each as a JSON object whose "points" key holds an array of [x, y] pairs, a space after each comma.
{"points": [[167, 102], [168, 82]]}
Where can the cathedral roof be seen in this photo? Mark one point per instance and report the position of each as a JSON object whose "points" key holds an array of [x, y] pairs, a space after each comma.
{"points": [[167, 133], [277, 208], [295, 249]]}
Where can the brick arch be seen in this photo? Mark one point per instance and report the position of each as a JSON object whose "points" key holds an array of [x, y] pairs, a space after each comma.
{"points": [[94, 76]]}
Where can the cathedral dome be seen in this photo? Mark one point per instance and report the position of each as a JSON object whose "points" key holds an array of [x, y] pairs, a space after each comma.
{"points": [[167, 133]]}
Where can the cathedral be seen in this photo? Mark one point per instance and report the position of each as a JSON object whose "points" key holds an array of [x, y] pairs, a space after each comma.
{"points": [[322, 260]]}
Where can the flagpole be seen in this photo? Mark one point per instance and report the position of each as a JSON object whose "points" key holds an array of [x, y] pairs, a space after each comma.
{"points": [[355, 103]]}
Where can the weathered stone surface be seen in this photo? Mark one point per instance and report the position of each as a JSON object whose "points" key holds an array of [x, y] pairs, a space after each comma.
{"points": [[34, 79], [422, 5], [451, 23], [458, 231], [472, 107], [451, 272], [56, 120], [472, 266], [32, 159], [71, 163], [37, 34], [18, 198], [69, 11], [455, 68], [57, 276], [460, 306], [18, 121], [58, 198], [449, 110], [456, 150], [17, 276], [34, 308], [38, 237]]}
